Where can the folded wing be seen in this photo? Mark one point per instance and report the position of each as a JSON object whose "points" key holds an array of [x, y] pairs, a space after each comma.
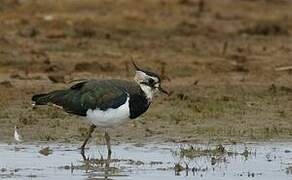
{"points": [[85, 95]]}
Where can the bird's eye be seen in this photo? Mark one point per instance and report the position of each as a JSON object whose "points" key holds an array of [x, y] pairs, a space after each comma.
{"points": [[151, 81]]}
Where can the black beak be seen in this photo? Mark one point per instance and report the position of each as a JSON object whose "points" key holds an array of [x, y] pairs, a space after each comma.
{"points": [[163, 91]]}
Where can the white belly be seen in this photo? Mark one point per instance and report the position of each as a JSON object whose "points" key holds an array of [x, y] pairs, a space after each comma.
{"points": [[111, 117]]}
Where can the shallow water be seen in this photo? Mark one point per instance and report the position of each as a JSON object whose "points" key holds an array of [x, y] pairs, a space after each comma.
{"points": [[264, 161]]}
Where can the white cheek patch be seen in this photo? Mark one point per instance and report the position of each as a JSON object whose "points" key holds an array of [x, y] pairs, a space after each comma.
{"points": [[140, 77], [149, 92]]}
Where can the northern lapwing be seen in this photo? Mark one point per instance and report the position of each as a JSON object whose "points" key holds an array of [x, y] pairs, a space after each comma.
{"points": [[106, 103]]}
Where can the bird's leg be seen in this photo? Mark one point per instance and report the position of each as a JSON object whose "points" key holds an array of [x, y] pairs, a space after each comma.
{"points": [[108, 144], [109, 153], [91, 129]]}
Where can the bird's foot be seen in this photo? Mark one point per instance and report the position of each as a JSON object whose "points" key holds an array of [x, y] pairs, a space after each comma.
{"points": [[83, 154]]}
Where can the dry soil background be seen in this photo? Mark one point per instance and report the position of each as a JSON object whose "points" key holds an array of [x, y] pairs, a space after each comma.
{"points": [[220, 60]]}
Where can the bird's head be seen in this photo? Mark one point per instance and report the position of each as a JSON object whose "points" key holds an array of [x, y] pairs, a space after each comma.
{"points": [[149, 82]]}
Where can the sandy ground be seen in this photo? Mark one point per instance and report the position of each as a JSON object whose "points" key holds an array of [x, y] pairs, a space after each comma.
{"points": [[220, 60]]}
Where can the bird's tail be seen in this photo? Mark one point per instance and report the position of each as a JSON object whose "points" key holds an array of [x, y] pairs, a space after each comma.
{"points": [[54, 97]]}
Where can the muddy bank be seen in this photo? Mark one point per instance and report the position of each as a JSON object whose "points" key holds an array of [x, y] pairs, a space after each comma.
{"points": [[225, 63]]}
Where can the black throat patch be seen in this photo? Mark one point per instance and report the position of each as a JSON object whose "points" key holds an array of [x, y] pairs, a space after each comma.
{"points": [[138, 104]]}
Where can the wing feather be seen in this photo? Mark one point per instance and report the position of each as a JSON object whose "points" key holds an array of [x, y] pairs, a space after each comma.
{"points": [[93, 95]]}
